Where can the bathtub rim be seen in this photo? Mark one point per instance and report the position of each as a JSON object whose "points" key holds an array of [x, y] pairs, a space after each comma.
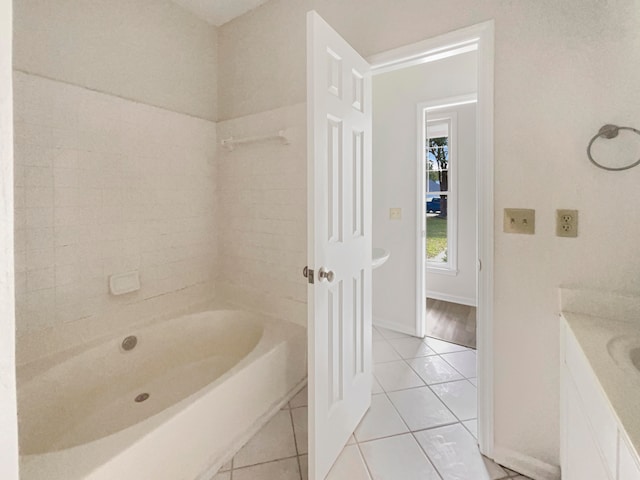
{"points": [[49, 340], [26, 370]]}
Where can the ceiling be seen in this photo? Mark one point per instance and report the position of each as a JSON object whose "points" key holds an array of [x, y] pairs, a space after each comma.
{"points": [[219, 12]]}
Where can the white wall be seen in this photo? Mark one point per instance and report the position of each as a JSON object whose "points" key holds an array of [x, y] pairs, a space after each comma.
{"points": [[263, 206], [8, 415], [461, 288], [395, 98], [105, 185], [153, 51], [562, 69]]}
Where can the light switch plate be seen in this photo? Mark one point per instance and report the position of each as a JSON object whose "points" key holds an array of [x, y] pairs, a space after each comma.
{"points": [[520, 220], [395, 214]]}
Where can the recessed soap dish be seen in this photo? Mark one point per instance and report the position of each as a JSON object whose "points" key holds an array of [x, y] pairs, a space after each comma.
{"points": [[122, 283]]}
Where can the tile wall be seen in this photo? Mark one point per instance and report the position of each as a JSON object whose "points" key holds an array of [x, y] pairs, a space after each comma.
{"points": [[105, 185], [262, 201]]}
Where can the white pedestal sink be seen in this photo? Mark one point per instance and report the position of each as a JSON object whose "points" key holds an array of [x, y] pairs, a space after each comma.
{"points": [[380, 256]]}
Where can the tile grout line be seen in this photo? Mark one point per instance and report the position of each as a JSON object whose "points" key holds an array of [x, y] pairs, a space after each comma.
{"points": [[263, 463], [428, 385], [403, 433], [453, 366], [425, 383], [433, 392], [295, 440], [230, 468], [459, 421], [412, 435], [297, 455], [447, 406], [386, 393], [364, 460], [427, 455], [467, 428]]}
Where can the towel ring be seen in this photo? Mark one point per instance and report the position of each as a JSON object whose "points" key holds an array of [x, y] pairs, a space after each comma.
{"points": [[611, 131]]}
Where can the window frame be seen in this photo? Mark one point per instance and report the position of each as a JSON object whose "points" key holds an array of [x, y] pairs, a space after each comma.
{"points": [[432, 116]]}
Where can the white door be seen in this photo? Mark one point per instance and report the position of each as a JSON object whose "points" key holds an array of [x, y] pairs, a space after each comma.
{"points": [[339, 242]]}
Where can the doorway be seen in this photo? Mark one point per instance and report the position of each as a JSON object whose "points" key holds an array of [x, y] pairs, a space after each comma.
{"points": [[448, 144], [409, 317]]}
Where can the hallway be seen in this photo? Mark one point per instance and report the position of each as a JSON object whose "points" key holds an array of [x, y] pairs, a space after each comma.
{"points": [[451, 322]]}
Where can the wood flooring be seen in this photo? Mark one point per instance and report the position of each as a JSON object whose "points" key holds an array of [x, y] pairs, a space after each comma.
{"points": [[451, 322]]}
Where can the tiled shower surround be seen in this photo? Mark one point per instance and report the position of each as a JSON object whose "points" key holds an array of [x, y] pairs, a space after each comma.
{"points": [[104, 185], [262, 199]]}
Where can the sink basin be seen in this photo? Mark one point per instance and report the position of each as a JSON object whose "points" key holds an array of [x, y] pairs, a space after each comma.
{"points": [[380, 256], [625, 351]]}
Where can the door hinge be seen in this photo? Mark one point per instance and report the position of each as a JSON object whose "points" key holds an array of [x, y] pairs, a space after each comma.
{"points": [[308, 274]]}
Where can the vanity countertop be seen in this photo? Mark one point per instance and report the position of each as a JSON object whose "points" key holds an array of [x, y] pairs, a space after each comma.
{"points": [[598, 331]]}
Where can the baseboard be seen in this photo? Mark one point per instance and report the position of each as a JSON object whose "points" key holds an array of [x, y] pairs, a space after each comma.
{"points": [[445, 297], [526, 465], [396, 327]]}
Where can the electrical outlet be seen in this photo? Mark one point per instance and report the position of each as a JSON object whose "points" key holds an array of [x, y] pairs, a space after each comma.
{"points": [[395, 214], [567, 223], [520, 220]]}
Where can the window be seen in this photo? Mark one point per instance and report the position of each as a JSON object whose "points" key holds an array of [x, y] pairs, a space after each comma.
{"points": [[440, 192]]}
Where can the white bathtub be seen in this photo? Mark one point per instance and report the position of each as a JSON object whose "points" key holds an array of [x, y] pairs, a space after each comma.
{"points": [[212, 379]]}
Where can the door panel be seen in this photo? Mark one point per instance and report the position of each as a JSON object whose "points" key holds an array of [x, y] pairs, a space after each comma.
{"points": [[339, 242]]}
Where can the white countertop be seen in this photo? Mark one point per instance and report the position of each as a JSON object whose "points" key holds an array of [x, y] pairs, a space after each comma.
{"points": [[594, 330]]}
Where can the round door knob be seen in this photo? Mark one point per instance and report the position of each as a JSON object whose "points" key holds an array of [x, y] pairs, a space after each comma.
{"points": [[326, 275]]}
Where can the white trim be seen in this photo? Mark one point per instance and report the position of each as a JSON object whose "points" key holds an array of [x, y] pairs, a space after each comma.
{"points": [[526, 465], [421, 52], [481, 34], [9, 456], [391, 325], [431, 268], [431, 57], [484, 224], [421, 222], [564, 447], [445, 297], [450, 102]]}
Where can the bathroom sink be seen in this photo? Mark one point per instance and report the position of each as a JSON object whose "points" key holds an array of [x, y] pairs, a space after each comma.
{"points": [[625, 351], [380, 256]]}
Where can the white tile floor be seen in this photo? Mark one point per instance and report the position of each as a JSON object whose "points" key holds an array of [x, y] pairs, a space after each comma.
{"points": [[421, 425]]}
